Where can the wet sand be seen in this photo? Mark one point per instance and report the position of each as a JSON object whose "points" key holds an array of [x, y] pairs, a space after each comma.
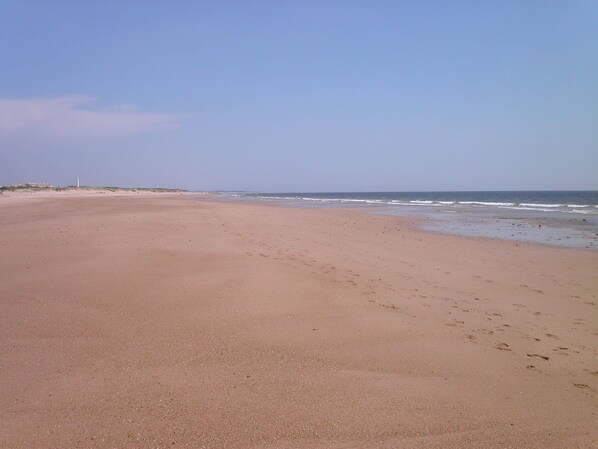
{"points": [[165, 321]]}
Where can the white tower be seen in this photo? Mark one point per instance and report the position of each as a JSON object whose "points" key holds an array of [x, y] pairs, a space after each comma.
{"points": [[77, 182]]}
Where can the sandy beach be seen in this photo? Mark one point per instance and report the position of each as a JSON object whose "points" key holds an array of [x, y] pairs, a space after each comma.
{"points": [[165, 320]]}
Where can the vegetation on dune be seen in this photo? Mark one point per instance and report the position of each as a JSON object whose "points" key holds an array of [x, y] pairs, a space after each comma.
{"points": [[38, 187]]}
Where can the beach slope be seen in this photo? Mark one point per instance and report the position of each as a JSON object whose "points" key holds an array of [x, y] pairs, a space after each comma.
{"points": [[168, 321]]}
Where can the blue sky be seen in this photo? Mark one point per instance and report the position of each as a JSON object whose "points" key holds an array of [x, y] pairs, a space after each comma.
{"points": [[300, 96]]}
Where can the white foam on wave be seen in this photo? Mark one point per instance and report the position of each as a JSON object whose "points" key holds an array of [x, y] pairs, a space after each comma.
{"points": [[583, 211], [539, 209], [279, 197], [484, 203], [540, 205], [321, 200], [344, 200], [419, 203]]}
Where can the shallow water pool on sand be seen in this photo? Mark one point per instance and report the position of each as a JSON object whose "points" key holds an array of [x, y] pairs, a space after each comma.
{"points": [[525, 226]]}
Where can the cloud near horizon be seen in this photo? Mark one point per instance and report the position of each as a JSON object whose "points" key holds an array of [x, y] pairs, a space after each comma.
{"points": [[75, 119]]}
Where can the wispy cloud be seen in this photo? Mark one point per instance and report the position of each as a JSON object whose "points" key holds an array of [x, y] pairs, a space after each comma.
{"points": [[75, 119]]}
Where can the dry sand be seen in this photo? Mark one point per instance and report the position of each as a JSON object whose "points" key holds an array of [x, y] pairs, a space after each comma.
{"points": [[154, 321]]}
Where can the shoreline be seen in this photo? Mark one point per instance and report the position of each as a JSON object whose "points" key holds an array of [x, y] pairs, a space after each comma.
{"points": [[546, 227], [165, 320]]}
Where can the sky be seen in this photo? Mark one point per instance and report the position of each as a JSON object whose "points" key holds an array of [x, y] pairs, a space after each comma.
{"points": [[302, 96]]}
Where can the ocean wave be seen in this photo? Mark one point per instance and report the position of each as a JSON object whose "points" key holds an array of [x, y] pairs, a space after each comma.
{"points": [[583, 211], [484, 203], [279, 197], [538, 209], [417, 203], [322, 200], [445, 204], [540, 205]]}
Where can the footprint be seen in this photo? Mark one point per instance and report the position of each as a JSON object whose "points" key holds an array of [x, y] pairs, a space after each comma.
{"points": [[455, 324], [502, 347], [565, 348], [543, 357]]}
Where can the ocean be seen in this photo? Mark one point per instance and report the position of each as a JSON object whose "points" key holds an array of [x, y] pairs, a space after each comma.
{"points": [[574, 202], [562, 218]]}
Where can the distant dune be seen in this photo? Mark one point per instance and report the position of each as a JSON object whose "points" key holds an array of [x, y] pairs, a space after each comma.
{"points": [[44, 187]]}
